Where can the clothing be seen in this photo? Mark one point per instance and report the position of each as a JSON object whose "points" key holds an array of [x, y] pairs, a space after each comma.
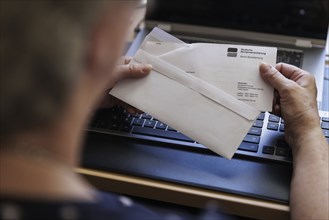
{"points": [[107, 206]]}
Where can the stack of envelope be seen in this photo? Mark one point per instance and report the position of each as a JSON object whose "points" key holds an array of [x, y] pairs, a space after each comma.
{"points": [[212, 93]]}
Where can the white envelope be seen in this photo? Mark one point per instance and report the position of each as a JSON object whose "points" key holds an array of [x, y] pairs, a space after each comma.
{"points": [[186, 102], [236, 73]]}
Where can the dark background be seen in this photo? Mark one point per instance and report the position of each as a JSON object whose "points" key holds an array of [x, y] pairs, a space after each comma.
{"points": [[308, 18]]}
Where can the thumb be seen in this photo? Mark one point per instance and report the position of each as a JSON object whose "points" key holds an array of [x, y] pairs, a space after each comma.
{"points": [[273, 76], [132, 70]]}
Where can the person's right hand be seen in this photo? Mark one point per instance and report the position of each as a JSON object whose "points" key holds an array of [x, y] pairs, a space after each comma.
{"points": [[295, 99]]}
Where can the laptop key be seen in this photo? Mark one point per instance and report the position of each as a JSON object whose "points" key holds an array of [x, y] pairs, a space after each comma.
{"points": [[281, 128], [121, 119], [282, 143], [149, 123], [138, 122], [255, 131], [162, 134], [161, 126], [325, 125], [273, 118], [326, 133], [114, 117], [258, 124], [128, 120], [326, 119], [261, 116], [251, 139], [126, 128], [146, 116], [268, 150], [280, 151], [272, 126], [248, 147], [114, 126], [135, 115]]}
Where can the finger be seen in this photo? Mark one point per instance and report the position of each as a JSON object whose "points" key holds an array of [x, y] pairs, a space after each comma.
{"points": [[274, 77], [127, 60], [301, 77], [290, 71], [124, 60], [132, 70]]}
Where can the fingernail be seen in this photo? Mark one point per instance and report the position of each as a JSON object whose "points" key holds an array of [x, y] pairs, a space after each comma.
{"points": [[146, 68], [264, 67]]}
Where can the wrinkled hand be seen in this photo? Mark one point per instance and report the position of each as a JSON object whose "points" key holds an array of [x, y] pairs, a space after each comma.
{"points": [[125, 70], [295, 98]]}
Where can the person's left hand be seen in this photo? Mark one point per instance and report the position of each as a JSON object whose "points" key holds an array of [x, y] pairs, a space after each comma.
{"points": [[124, 70]]}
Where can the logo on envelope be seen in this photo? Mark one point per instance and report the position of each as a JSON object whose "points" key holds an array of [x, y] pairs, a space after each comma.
{"points": [[232, 52]]}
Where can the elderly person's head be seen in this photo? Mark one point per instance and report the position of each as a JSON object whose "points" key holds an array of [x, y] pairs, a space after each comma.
{"points": [[56, 54], [58, 59]]}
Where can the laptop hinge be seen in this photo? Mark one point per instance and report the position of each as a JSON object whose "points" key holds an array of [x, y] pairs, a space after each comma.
{"points": [[303, 43], [165, 27]]}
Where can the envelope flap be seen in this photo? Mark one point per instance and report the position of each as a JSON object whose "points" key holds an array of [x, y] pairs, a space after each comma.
{"points": [[198, 85], [158, 35], [157, 48]]}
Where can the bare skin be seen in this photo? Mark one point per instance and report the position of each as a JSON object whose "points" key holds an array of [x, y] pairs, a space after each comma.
{"points": [[297, 104]]}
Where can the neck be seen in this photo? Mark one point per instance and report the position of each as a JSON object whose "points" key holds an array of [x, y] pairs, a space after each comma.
{"points": [[45, 162], [45, 159], [33, 176]]}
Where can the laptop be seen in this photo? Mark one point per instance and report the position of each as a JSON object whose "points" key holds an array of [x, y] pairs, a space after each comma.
{"points": [[297, 28]]}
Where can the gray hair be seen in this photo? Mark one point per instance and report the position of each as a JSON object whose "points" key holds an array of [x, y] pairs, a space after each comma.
{"points": [[42, 46]]}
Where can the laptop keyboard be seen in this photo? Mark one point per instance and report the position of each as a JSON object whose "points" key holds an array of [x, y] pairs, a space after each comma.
{"points": [[289, 56], [265, 139]]}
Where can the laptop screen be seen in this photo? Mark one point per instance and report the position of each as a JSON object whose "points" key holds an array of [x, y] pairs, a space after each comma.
{"points": [[303, 18]]}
